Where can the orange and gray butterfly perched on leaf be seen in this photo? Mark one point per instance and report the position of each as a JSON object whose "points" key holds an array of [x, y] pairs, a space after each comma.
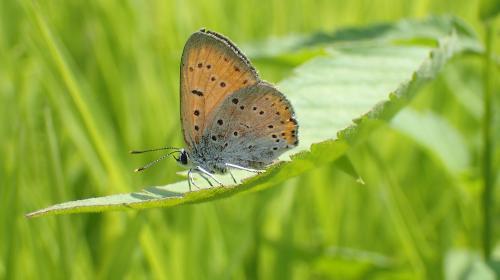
{"points": [[230, 117]]}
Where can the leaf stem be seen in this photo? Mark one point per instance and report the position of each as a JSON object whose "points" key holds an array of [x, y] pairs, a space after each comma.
{"points": [[487, 145]]}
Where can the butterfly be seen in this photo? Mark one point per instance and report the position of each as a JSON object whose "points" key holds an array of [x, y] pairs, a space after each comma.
{"points": [[231, 119]]}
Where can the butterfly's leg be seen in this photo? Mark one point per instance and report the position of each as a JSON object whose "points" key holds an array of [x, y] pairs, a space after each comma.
{"points": [[202, 175], [201, 169], [244, 168], [191, 180], [232, 176]]}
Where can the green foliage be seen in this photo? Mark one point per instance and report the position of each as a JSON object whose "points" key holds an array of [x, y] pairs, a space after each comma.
{"points": [[81, 83]]}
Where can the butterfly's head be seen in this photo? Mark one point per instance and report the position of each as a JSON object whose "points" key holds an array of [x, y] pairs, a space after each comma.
{"points": [[183, 158]]}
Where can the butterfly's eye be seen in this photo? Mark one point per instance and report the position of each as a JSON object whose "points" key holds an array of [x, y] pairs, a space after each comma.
{"points": [[183, 159]]}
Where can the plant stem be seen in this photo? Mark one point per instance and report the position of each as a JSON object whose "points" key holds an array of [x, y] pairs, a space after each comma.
{"points": [[487, 146]]}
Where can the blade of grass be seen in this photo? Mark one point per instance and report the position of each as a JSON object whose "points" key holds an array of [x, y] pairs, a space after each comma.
{"points": [[488, 149], [74, 89]]}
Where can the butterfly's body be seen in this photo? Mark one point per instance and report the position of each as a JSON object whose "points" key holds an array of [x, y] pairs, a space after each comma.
{"points": [[230, 118]]}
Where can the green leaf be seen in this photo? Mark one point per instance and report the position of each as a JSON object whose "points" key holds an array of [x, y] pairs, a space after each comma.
{"points": [[424, 32], [336, 95]]}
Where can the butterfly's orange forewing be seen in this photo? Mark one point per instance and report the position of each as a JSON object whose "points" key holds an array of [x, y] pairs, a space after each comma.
{"points": [[211, 69]]}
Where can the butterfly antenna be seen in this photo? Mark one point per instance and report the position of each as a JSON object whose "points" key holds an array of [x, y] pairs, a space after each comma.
{"points": [[153, 150], [154, 162]]}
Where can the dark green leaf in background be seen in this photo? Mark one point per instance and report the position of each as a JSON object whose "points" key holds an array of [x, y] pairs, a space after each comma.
{"points": [[489, 9]]}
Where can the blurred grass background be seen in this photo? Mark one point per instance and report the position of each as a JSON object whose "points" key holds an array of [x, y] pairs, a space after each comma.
{"points": [[71, 110]]}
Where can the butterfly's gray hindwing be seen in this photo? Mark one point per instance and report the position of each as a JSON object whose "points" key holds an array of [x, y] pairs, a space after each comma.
{"points": [[251, 128]]}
